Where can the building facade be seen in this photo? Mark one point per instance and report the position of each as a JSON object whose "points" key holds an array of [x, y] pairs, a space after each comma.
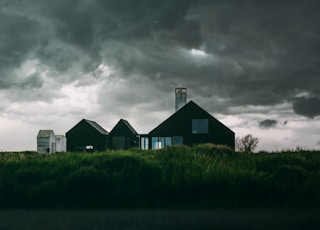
{"points": [[61, 143], [123, 136], [87, 136], [46, 141], [189, 125]]}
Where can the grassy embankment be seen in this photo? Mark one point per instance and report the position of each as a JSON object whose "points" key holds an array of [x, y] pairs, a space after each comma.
{"points": [[204, 176]]}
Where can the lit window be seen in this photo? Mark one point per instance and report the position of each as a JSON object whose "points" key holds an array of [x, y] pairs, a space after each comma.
{"points": [[155, 143], [144, 143], [199, 126], [161, 142], [89, 147]]}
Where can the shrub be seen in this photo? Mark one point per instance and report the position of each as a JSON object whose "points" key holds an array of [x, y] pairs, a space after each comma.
{"points": [[247, 143], [212, 149]]}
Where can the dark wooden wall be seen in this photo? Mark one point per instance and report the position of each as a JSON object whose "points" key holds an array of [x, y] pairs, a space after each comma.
{"points": [[180, 124], [83, 134]]}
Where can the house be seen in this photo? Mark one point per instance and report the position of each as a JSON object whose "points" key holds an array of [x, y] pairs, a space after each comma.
{"points": [[87, 135], [189, 125], [123, 136], [46, 141], [61, 143]]}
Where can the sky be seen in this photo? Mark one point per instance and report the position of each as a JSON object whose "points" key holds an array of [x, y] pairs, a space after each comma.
{"points": [[253, 65]]}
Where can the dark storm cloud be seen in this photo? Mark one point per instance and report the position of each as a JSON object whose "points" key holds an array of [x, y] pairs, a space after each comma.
{"points": [[268, 123], [309, 107], [19, 36], [254, 53]]}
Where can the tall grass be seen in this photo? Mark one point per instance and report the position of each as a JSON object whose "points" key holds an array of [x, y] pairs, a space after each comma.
{"points": [[202, 176]]}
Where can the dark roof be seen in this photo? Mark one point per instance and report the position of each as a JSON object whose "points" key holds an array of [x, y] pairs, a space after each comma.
{"points": [[127, 124], [180, 110], [97, 126], [45, 133]]}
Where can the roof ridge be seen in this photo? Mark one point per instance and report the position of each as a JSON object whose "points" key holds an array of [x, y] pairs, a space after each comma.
{"points": [[126, 123], [96, 126], [184, 106]]}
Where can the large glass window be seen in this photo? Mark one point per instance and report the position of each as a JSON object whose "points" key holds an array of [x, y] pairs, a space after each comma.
{"points": [[167, 141], [200, 126], [155, 143], [144, 143], [160, 142]]}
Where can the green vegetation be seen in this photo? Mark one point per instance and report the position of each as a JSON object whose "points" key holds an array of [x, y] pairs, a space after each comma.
{"points": [[204, 176]]}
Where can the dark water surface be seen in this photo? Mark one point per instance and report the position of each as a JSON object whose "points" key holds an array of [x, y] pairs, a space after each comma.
{"points": [[161, 219]]}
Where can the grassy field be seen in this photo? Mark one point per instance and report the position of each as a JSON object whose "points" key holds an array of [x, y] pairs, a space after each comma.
{"points": [[204, 176]]}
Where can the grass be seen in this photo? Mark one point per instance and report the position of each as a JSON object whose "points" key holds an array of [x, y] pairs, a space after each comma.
{"points": [[204, 176]]}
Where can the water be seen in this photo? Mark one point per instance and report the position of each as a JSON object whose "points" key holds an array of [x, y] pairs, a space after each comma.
{"points": [[161, 219]]}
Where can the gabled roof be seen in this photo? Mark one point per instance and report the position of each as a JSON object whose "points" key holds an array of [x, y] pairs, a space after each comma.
{"points": [[183, 108], [126, 124], [45, 133], [129, 126], [96, 126]]}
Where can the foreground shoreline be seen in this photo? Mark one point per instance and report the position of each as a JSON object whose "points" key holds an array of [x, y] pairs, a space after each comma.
{"points": [[161, 219]]}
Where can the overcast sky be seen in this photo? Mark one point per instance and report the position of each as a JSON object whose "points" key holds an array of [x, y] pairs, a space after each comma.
{"points": [[254, 65]]}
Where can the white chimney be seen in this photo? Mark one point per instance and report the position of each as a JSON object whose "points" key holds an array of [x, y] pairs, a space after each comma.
{"points": [[181, 97]]}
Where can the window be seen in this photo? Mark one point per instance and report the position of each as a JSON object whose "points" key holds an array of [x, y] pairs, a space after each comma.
{"points": [[144, 143], [167, 141], [200, 126], [177, 140], [155, 143], [160, 142], [89, 147]]}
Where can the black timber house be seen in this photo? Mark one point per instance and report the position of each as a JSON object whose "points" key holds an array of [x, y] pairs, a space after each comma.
{"points": [[87, 136], [123, 136], [189, 125]]}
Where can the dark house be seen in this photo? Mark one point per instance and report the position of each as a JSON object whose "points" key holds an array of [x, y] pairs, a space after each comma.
{"points": [[190, 125], [123, 136], [87, 136]]}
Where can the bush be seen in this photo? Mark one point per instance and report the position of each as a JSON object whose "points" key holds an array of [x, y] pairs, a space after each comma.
{"points": [[212, 149]]}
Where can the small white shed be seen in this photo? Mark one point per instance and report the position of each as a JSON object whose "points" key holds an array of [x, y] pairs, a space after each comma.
{"points": [[61, 143], [46, 141]]}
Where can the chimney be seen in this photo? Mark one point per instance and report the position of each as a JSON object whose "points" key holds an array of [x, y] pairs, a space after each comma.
{"points": [[181, 97]]}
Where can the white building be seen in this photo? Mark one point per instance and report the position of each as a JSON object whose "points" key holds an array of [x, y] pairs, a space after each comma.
{"points": [[61, 143], [46, 141]]}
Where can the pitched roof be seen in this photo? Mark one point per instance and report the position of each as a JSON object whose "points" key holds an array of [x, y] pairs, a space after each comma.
{"points": [[45, 133], [196, 106], [97, 126], [127, 124]]}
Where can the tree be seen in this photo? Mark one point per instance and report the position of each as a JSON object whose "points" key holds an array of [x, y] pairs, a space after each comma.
{"points": [[247, 143]]}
